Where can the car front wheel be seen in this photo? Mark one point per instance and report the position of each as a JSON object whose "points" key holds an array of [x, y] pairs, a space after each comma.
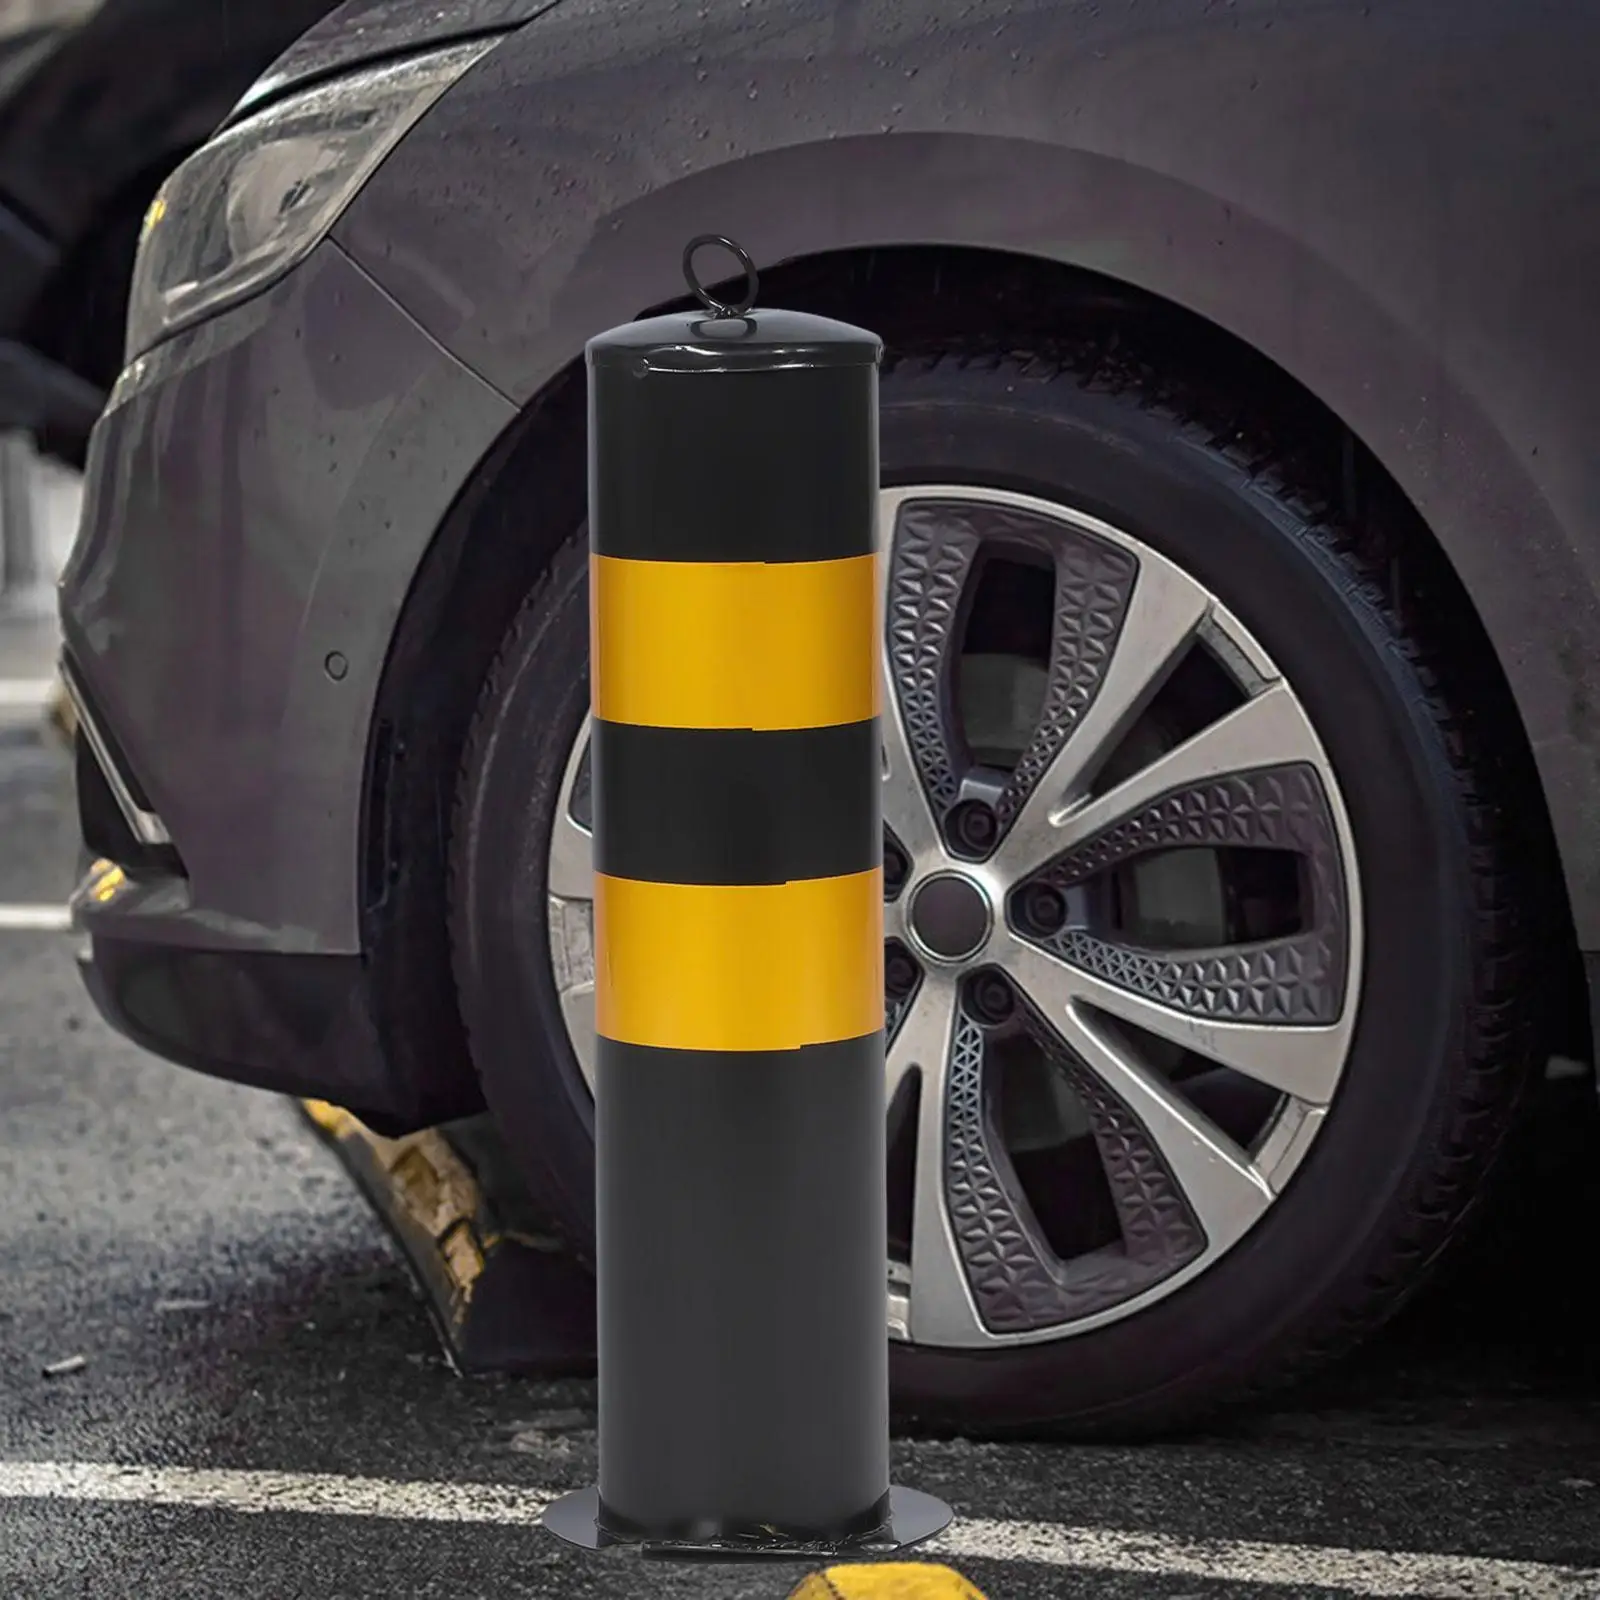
{"points": [[1202, 953]]}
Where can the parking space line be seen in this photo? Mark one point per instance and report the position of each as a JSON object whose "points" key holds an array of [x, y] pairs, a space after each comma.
{"points": [[1374, 1573], [1352, 1571], [27, 694], [35, 919], [310, 1493]]}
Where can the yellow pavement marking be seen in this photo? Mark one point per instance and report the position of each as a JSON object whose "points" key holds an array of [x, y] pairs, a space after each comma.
{"points": [[892, 1580], [1065, 1547], [105, 880]]}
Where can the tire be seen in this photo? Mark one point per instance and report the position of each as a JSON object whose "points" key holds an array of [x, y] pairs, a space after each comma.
{"points": [[1445, 1032]]}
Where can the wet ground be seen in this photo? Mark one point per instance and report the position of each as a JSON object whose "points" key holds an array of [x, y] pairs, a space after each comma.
{"points": [[251, 1341]]}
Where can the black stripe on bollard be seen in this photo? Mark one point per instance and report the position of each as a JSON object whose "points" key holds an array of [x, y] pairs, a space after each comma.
{"points": [[731, 805], [708, 444], [782, 1420], [738, 927]]}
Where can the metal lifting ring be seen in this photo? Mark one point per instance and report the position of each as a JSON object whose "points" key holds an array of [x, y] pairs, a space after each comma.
{"points": [[717, 307]]}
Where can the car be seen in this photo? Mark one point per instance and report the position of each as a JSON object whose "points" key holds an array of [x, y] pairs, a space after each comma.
{"points": [[99, 100], [1239, 593]]}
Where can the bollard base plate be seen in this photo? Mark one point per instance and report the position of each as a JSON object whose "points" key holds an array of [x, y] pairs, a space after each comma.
{"points": [[913, 1517]]}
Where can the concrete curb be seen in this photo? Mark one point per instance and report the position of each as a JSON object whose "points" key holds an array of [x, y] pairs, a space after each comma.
{"points": [[503, 1297]]}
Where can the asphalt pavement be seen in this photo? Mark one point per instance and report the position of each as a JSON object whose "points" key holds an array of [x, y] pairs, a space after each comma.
{"points": [[262, 1409]]}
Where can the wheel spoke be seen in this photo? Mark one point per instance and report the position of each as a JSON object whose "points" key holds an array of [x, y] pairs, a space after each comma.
{"points": [[1160, 1232], [1223, 1190], [577, 1009], [1162, 616], [571, 933], [921, 1040], [905, 803], [571, 860], [1094, 583], [1268, 730], [925, 574], [1297, 979], [941, 1308], [906, 811], [571, 869], [898, 999], [1305, 1062]]}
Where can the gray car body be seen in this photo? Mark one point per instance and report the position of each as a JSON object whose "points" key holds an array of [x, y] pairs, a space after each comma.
{"points": [[1397, 204]]}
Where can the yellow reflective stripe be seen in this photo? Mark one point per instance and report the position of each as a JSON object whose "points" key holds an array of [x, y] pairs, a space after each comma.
{"points": [[891, 1580], [738, 644], [771, 966]]}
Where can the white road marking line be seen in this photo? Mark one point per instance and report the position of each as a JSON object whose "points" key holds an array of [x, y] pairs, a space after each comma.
{"points": [[316, 1493], [1359, 1572], [28, 694], [35, 919], [1377, 1573]]}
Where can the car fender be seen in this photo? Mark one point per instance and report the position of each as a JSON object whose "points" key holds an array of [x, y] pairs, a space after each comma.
{"points": [[1337, 189]]}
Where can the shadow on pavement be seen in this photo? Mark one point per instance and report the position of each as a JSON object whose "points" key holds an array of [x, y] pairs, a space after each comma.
{"points": [[1503, 1339]]}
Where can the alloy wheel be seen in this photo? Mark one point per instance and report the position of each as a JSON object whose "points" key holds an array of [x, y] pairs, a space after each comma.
{"points": [[1122, 921]]}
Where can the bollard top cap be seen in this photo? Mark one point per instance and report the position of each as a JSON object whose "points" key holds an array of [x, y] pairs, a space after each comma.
{"points": [[757, 341]]}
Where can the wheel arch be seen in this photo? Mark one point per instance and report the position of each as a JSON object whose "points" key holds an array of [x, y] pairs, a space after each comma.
{"points": [[529, 493], [1386, 370]]}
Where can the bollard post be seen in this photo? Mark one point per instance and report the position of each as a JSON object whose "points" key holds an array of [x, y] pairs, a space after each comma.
{"points": [[736, 765]]}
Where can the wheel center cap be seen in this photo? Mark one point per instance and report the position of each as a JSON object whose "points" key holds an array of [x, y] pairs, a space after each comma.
{"points": [[950, 916]]}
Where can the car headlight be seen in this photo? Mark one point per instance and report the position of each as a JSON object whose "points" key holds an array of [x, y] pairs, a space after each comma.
{"points": [[253, 202]]}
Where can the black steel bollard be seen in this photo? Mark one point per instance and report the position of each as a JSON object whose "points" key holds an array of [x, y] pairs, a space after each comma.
{"points": [[738, 901]]}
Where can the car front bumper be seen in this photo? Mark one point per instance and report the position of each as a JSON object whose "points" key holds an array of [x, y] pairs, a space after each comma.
{"points": [[258, 495]]}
